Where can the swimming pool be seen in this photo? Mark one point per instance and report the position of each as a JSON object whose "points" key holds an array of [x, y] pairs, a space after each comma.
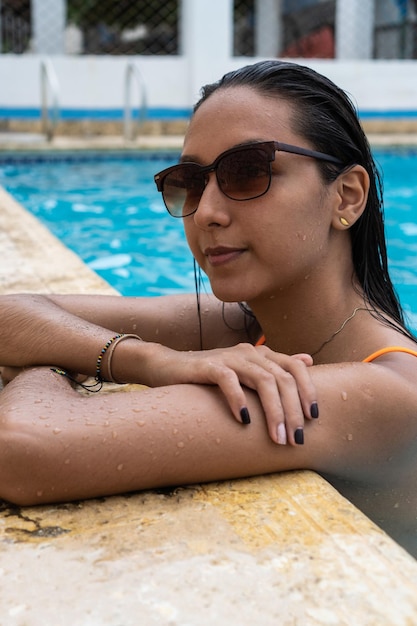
{"points": [[105, 207]]}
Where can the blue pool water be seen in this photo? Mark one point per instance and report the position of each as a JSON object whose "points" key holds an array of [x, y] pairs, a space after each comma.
{"points": [[106, 208], [399, 170]]}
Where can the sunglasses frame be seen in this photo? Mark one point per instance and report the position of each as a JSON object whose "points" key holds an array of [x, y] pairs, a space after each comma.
{"points": [[269, 147]]}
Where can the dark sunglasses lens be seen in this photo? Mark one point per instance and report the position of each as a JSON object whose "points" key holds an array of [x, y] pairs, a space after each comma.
{"points": [[182, 189], [244, 174]]}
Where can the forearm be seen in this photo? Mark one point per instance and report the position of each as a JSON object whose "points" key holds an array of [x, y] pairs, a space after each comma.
{"points": [[35, 331], [38, 330], [59, 445]]}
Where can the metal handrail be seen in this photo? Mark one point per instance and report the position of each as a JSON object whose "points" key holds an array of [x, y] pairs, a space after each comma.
{"points": [[49, 79], [133, 71]]}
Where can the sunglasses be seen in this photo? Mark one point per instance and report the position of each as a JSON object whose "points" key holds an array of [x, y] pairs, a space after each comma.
{"points": [[242, 173]]}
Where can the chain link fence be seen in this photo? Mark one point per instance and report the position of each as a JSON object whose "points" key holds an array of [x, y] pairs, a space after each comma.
{"points": [[307, 28]]}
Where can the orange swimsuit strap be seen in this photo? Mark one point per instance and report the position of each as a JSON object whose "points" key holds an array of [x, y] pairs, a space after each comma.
{"points": [[383, 351], [372, 356]]}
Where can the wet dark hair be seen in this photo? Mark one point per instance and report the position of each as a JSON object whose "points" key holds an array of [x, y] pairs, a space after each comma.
{"points": [[326, 117]]}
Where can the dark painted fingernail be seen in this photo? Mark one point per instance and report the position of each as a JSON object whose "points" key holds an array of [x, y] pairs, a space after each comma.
{"points": [[314, 410], [299, 436], [244, 415]]}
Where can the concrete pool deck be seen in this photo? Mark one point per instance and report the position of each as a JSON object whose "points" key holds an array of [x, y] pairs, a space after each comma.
{"points": [[22, 141], [284, 549]]}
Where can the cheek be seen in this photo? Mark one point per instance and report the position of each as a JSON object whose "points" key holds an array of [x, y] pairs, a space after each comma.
{"points": [[191, 236], [293, 241]]}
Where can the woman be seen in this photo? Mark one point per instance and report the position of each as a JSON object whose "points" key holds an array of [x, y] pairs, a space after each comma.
{"points": [[281, 206]]}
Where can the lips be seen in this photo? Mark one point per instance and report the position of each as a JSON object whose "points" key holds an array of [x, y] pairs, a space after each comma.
{"points": [[221, 255]]}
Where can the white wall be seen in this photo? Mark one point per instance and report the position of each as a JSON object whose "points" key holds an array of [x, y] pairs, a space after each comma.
{"points": [[97, 83]]}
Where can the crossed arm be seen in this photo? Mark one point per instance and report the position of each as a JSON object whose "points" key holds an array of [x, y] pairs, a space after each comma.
{"points": [[70, 332], [59, 445]]}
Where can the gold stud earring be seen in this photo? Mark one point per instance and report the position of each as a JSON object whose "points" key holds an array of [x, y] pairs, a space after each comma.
{"points": [[344, 221]]}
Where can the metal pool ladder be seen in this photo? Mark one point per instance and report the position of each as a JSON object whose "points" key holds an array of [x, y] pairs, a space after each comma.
{"points": [[132, 71], [49, 114]]}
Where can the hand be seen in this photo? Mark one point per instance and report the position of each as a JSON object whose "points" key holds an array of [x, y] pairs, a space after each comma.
{"points": [[282, 382]]}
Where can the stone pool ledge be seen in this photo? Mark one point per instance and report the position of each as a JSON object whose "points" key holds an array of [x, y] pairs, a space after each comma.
{"points": [[278, 550]]}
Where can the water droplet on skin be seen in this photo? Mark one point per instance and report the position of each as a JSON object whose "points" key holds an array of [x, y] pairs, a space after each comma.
{"points": [[344, 395], [43, 417], [66, 462], [114, 434], [175, 431], [350, 437], [180, 444], [39, 493], [141, 423], [56, 431], [218, 441], [190, 437], [120, 467]]}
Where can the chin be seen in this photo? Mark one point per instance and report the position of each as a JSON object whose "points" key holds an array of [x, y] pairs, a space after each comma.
{"points": [[226, 293]]}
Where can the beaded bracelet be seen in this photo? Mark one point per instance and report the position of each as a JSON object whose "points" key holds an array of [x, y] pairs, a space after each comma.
{"points": [[97, 386], [103, 351]]}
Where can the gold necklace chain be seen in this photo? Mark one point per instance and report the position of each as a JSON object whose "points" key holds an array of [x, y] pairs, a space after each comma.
{"points": [[339, 330]]}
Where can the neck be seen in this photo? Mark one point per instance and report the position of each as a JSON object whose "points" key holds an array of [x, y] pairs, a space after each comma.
{"points": [[315, 326]]}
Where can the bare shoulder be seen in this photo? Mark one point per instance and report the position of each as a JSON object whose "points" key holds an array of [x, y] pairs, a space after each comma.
{"points": [[365, 443], [368, 417]]}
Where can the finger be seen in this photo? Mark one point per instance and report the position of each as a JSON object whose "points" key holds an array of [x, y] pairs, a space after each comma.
{"points": [[277, 391], [230, 385], [298, 367], [283, 410], [307, 359], [292, 408], [280, 421]]}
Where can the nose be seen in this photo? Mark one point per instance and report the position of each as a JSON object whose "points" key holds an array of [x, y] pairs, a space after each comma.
{"points": [[212, 209]]}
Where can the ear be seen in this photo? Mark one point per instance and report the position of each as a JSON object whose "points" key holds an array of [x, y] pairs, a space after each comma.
{"points": [[352, 189]]}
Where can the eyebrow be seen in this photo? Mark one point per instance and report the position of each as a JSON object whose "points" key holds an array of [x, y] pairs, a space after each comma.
{"points": [[191, 158]]}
